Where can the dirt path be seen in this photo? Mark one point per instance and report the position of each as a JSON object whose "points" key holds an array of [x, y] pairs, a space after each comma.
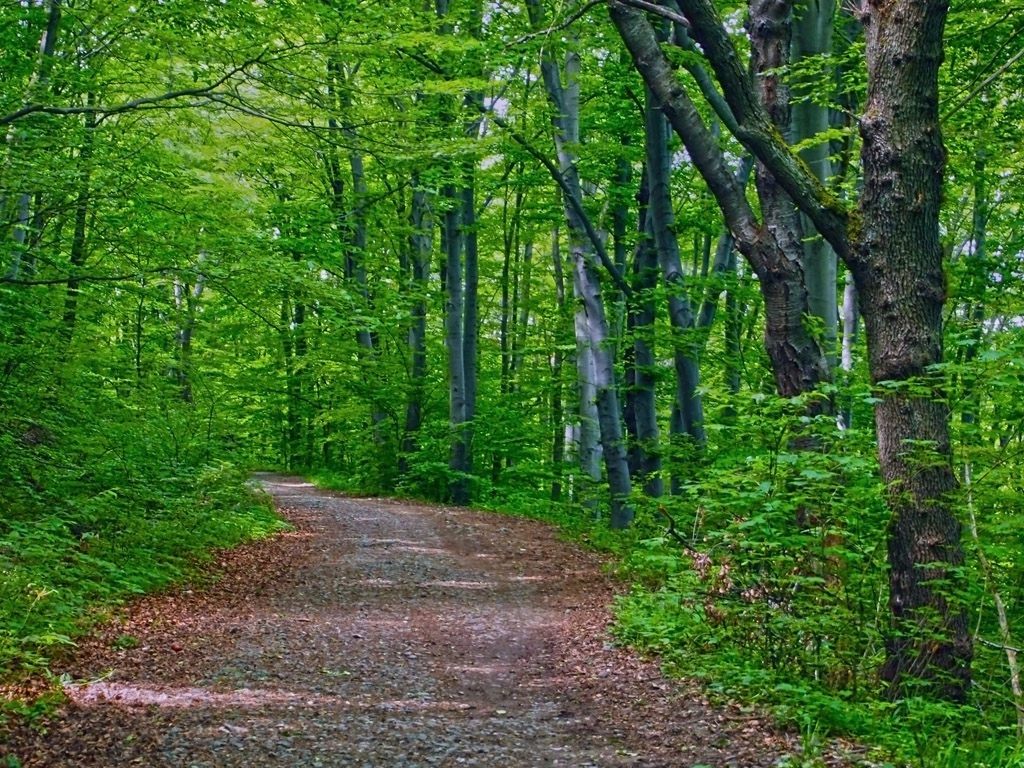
{"points": [[382, 634]]}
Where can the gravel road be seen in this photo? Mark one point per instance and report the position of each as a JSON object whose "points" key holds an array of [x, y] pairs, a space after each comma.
{"points": [[384, 634]]}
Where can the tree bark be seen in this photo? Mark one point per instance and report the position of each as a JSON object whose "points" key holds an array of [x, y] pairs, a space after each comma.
{"points": [[902, 289]]}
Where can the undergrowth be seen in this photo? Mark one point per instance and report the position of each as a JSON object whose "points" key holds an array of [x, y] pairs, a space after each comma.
{"points": [[64, 555], [766, 579]]}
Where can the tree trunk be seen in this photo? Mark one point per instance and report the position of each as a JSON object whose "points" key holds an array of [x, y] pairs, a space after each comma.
{"points": [[185, 298], [79, 253], [641, 405], [588, 433], [355, 270], [470, 306], [812, 36], [902, 289], [292, 427], [687, 423], [454, 308], [421, 224], [557, 409], [20, 235], [596, 365]]}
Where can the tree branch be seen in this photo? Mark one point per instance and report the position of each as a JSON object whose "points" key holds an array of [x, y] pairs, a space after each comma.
{"points": [[702, 147], [574, 201], [86, 278], [754, 128]]}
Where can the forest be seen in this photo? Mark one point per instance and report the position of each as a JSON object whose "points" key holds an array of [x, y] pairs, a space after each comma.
{"points": [[731, 289]]}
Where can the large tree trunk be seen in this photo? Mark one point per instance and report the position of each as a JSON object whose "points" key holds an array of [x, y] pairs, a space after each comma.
{"points": [[595, 328], [350, 219], [355, 270], [902, 291], [851, 323]]}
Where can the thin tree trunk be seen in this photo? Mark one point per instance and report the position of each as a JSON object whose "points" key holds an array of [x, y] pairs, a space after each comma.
{"points": [[20, 235], [557, 409], [851, 324], [519, 336], [454, 308], [79, 253], [355, 269], [185, 299], [641, 405], [470, 301], [420, 220], [812, 37], [687, 423], [292, 426]]}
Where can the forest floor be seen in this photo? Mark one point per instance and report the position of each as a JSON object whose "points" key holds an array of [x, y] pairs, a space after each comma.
{"points": [[385, 634]]}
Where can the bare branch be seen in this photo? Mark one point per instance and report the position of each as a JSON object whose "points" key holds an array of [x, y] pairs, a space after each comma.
{"points": [[570, 19], [658, 10]]}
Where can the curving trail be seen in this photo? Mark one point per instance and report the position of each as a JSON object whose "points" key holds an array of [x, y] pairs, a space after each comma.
{"points": [[384, 634]]}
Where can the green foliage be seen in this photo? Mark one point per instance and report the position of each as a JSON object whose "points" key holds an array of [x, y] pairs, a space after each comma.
{"points": [[76, 548], [778, 596], [122, 449]]}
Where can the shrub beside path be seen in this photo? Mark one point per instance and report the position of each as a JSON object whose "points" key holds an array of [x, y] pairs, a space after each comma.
{"points": [[384, 634]]}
